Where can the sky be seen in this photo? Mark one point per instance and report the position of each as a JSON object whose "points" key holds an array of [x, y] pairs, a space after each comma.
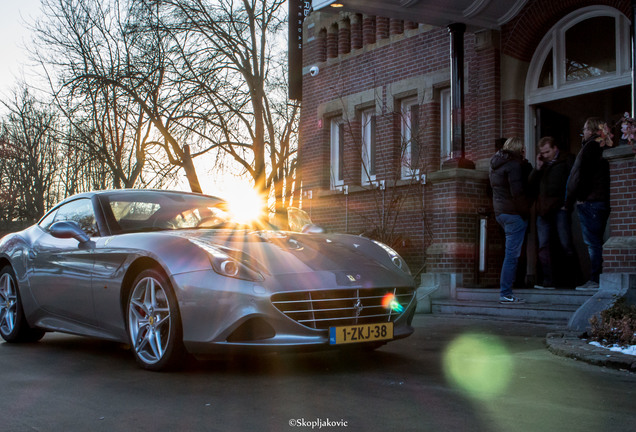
{"points": [[14, 35]]}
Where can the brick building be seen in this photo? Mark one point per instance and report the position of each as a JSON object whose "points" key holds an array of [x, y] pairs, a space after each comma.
{"points": [[404, 103]]}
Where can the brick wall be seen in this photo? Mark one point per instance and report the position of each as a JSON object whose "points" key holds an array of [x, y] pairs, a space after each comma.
{"points": [[619, 252]]}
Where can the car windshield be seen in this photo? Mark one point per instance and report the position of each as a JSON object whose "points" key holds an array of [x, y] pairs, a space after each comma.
{"points": [[128, 212]]}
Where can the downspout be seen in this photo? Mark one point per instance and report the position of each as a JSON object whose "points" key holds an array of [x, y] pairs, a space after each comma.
{"points": [[633, 53], [457, 132]]}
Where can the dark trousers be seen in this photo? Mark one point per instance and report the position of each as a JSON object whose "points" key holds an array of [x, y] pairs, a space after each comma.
{"points": [[555, 225], [593, 216]]}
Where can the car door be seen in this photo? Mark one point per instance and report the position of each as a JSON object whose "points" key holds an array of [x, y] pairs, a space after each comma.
{"points": [[62, 268]]}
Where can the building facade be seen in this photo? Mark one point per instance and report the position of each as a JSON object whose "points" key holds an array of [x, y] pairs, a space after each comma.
{"points": [[382, 123]]}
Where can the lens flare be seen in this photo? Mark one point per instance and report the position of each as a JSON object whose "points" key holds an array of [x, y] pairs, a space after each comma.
{"points": [[479, 364], [390, 302], [245, 204]]}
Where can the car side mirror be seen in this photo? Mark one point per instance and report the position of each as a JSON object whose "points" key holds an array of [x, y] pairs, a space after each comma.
{"points": [[312, 229], [69, 229], [300, 221]]}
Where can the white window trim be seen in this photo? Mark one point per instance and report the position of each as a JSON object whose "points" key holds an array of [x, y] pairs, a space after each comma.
{"points": [[554, 41], [446, 147], [405, 139], [367, 137], [337, 177]]}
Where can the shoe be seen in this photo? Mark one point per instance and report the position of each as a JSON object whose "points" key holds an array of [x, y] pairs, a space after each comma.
{"points": [[588, 286], [510, 299], [544, 287]]}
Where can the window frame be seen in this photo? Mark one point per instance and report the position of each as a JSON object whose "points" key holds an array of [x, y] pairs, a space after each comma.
{"points": [[406, 136], [553, 44], [445, 104], [336, 143], [368, 119]]}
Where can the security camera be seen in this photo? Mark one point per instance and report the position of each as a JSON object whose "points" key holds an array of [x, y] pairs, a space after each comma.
{"points": [[313, 71]]}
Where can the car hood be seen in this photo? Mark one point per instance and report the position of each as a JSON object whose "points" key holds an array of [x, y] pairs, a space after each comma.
{"points": [[351, 260]]}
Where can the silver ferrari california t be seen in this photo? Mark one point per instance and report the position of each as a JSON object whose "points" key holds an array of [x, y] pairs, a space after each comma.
{"points": [[174, 273]]}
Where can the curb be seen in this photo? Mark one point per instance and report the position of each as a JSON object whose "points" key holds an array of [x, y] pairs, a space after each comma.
{"points": [[569, 344]]}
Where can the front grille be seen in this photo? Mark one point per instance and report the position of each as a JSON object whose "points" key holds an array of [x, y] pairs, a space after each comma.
{"points": [[321, 309]]}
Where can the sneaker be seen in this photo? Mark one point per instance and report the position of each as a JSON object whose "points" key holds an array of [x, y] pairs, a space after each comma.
{"points": [[544, 287], [510, 299], [588, 286]]}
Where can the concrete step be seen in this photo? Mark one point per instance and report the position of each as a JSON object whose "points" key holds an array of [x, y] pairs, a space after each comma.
{"points": [[543, 306], [528, 312], [558, 296]]}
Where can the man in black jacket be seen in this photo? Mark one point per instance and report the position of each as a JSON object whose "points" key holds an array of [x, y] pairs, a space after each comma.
{"points": [[509, 172], [549, 178], [588, 187]]}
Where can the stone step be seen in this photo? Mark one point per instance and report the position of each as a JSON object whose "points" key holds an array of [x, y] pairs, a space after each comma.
{"points": [[553, 297], [529, 312]]}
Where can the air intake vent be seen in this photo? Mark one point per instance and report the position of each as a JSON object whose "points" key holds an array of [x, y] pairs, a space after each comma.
{"points": [[321, 309]]}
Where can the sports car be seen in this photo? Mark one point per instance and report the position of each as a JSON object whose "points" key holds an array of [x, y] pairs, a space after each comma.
{"points": [[174, 274]]}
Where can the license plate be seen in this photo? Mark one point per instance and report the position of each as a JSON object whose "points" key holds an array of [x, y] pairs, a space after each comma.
{"points": [[360, 333]]}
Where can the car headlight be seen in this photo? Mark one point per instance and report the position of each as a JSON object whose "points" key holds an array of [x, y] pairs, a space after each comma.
{"points": [[395, 257], [226, 265]]}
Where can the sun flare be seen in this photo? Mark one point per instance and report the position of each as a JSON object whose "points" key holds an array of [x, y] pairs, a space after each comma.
{"points": [[246, 204]]}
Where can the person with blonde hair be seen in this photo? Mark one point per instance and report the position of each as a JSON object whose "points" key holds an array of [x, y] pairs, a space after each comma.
{"points": [[588, 187], [509, 171]]}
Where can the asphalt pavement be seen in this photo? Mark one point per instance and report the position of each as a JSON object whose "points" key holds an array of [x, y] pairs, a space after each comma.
{"points": [[562, 342], [453, 374]]}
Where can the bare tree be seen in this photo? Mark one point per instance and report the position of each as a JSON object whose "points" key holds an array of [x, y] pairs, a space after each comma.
{"points": [[232, 63], [112, 57], [31, 156]]}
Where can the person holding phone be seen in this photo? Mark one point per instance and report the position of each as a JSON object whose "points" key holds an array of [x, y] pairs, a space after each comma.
{"points": [[549, 178]]}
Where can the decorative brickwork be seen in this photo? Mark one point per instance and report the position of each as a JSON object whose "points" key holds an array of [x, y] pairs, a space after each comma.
{"points": [[344, 37], [356, 31], [368, 30], [382, 28]]}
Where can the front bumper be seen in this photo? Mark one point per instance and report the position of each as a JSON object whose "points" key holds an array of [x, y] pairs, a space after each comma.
{"points": [[219, 313]]}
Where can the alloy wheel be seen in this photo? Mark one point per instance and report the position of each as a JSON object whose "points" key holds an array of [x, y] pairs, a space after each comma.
{"points": [[149, 320], [8, 304]]}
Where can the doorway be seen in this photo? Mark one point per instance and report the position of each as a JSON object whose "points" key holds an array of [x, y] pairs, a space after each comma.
{"points": [[563, 120]]}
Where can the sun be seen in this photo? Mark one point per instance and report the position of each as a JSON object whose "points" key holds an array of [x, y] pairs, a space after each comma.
{"points": [[245, 203]]}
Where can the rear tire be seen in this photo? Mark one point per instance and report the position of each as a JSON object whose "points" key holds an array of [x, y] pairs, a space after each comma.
{"points": [[154, 322], [13, 325]]}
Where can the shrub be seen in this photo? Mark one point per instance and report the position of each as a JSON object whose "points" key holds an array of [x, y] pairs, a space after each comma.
{"points": [[617, 325]]}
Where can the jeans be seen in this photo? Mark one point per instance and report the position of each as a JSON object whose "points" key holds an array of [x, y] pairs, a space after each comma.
{"points": [[593, 216], [515, 228], [547, 226]]}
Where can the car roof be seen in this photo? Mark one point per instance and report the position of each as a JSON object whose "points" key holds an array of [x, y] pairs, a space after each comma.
{"points": [[130, 190]]}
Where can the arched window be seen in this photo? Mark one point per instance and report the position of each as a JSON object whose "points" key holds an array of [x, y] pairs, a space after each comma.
{"points": [[588, 50]]}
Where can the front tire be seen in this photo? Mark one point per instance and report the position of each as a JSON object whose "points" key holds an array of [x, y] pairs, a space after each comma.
{"points": [[154, 322], [13, 325]]}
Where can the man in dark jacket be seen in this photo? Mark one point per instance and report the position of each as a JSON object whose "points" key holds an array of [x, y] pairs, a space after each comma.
{"points": [[509, 172], [588, 187], [549, 178]]}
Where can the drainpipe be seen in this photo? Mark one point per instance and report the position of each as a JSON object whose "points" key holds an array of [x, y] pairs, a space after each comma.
{"points": [[346, 193], [458, 159], [633, 27]]}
